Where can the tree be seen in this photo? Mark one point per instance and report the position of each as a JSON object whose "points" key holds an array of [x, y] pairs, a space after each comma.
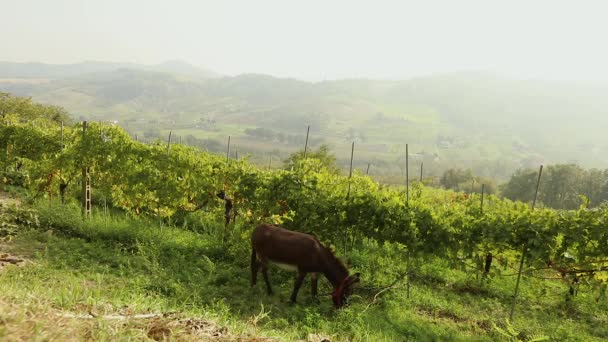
{"points": [[452, 178], [521, 186], [561, 186], [322, 154], [24, 109], [594, 185], [489, 186]]}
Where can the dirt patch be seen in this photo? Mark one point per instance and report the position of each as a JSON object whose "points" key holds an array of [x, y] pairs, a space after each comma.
{"points": [[163, 327], [465, 323], [173, 328], [7, 260], [189, 329], [39, 321], [440, 314], [484, 325], [473, 290]]}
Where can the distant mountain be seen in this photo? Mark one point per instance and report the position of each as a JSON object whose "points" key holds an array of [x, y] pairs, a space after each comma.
{"points": [[482, 121], [60, 71], [181, 68]]}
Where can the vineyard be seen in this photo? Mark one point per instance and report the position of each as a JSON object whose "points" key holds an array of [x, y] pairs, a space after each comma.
{"points": [[174, 185]]}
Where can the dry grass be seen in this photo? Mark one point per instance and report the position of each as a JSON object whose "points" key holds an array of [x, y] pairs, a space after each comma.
{"points": [[37, 320]]}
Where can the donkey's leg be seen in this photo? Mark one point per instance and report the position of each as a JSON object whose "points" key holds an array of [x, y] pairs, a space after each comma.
{"points": [[314, 281], [298, 284], [264, 264], [255, 265]]}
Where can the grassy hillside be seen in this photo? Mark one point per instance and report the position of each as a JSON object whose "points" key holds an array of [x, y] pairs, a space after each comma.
{"points": [[158, 244], [478, 121], [115, 266]]}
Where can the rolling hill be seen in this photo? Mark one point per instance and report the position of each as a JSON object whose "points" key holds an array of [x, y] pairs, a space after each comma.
{"points": [[491, 124]]}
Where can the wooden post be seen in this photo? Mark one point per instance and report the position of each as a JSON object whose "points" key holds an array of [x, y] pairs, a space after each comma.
{"points": [[180, 139], [228, 150], [236, 152], [86, 181], [540, 172], [407, 203], [306, 143], [169, 143], [489, 256], [409, 274], [407, 176], [136, 138], [367, 171], [421, 168], [350, 173], [86, 192], [523, 250]]}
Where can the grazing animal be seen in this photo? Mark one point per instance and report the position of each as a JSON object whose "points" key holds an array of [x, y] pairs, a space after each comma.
{"points": [[301, 252]]}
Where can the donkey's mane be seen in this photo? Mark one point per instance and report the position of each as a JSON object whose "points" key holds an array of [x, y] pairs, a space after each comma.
{"points": [[333, 256]]}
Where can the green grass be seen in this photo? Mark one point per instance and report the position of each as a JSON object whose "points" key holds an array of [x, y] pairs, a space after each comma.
{"points": [[113, 264]]}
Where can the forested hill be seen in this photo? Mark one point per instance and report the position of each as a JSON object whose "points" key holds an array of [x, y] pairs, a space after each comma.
{"points": [[58, 71], [480, 121]]}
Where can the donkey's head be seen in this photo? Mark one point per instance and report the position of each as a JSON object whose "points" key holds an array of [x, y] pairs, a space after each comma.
{"points": [[344, 290]]}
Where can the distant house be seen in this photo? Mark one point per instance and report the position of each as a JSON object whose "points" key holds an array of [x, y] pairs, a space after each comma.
{"points": [[444, 144]]}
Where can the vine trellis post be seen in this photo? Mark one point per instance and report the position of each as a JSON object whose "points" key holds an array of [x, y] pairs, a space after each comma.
{"points": [[350, 176], [407, 176], [350, 172], [228, 151], [224, 195], [169, 143], [306, 142], [407, 204], [86, 179], [523, 249]]}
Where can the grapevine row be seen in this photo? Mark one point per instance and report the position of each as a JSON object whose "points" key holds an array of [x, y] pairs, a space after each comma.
{"points": [[170, 182]]}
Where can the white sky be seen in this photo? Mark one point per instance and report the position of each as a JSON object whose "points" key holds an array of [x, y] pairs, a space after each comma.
{"points": [[318, 39]]}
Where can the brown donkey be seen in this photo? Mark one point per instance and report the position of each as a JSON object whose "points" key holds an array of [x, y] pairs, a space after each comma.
{"points": [[301, 252]]}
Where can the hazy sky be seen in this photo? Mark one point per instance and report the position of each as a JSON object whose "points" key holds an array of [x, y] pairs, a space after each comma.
{"points": [[318, 39]]}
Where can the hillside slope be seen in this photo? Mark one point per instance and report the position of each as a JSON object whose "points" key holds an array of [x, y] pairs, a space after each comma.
{"points": [[491, 124]]}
